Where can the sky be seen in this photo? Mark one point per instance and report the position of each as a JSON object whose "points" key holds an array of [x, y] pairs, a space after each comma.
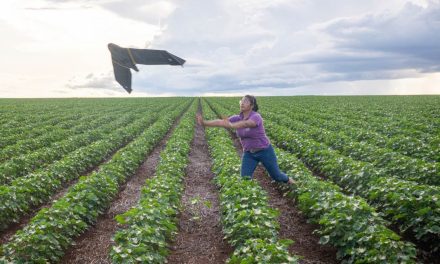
{"points": [[58, 48]]}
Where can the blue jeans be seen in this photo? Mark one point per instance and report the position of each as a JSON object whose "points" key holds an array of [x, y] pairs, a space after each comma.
{"points": [[266, 156]]}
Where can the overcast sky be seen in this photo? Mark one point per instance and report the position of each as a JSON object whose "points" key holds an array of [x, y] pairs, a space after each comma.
{"points": [[58, 48]]}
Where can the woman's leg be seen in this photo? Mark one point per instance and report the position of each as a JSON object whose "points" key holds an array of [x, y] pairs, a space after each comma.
{"points": [[269, 160], [248, 165]]}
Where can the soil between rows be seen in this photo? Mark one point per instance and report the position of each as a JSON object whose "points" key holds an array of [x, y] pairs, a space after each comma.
{"points": [[293, 225], [200, 237]]}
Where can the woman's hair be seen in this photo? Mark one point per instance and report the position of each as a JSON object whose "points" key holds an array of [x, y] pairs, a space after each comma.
{"points": [[253, 101]]}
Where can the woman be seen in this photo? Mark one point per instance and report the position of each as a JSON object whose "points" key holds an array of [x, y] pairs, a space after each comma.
{"points": [[255, 143]]}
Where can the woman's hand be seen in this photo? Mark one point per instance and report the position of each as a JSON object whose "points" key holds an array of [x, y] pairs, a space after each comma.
{"points": [[199, 119], [213, 123]]}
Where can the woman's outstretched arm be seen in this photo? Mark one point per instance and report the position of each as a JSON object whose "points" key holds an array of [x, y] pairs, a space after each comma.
{"points": [[224, 123], [242, 124], [212, 123]]}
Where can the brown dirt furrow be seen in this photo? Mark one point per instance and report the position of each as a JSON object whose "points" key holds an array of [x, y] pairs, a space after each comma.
{"points": [[93, 245], [200, 237], [293, 225]]}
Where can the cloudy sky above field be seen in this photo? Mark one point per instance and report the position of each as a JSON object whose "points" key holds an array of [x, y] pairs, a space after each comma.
{"points": [[58, 48]]}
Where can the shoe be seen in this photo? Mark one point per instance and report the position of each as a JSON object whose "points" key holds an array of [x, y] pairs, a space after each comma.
{"points": [[291, 181]]}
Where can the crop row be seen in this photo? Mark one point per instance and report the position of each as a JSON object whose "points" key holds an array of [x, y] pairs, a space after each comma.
{"points": [[353, 128], [249, 224], [37, 129], [28, 119], [346, 222], [52, 230], [150, 225], [31, 126], [26, 123], [385, 160], [27, 192], [384, 132], [54, 134], [20, 166], [390, 116], [24, 114]]}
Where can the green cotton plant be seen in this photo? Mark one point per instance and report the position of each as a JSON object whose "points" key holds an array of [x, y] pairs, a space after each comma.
{"points": [[195, 207], [248, 214], [149, 226], [406, 202], [259, 251]]}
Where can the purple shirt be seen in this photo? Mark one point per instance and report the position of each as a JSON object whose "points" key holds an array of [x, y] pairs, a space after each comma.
{"points": [[251, 137]]}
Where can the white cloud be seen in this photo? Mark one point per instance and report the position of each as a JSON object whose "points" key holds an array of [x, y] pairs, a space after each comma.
{"points": [[102, 81], [151, 12], [385, 46], [231, 47], [248, 53], [53, 43]]}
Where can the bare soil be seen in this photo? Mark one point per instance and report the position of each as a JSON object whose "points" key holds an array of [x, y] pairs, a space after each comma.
{"points": [[200, 237], [93, 246], [293, 225]]}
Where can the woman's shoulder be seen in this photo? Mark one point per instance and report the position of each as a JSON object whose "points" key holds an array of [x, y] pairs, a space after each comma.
{"points": [[255, 114]]}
